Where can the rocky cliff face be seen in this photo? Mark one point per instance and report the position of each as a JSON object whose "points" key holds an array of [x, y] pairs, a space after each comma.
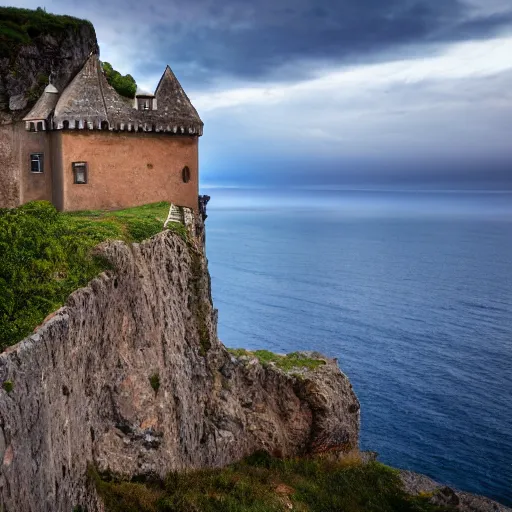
{"points": [[130, 376], [26, 68]]}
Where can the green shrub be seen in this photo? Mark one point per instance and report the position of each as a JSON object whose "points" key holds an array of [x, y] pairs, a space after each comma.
{"points": [[124, 85]]}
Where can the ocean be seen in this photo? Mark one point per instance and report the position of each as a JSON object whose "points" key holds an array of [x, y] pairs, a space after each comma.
{"points": [[411, 291]]}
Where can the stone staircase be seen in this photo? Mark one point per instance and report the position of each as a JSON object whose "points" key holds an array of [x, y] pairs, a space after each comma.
{"points": [[175, 215]]}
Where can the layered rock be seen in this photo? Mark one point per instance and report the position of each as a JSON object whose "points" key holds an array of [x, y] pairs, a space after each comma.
{"points": [[130, 376]]}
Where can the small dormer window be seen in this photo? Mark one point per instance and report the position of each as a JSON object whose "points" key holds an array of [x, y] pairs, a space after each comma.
{"points": [[145, 103]]}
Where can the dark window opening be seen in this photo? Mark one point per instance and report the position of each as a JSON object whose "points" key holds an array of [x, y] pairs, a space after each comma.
{"points": [[145, 103], [80, 173], [40, 126], [65, 125], [37, 163], [185, 174], [104, 125], [32, 127]]}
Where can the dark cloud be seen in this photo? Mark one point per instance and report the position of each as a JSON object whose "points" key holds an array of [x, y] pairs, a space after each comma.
{"points": [[252, 40]]}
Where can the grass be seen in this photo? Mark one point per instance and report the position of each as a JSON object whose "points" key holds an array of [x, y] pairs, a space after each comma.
{"points": [[46, 255], [130, 225], [19, 27], [261, 483], [287, 363]]}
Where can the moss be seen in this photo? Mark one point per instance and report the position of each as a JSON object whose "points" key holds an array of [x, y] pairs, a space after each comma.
{"points": [[261, 483], [46, 255], [287, 363], [154, 380], [8, 386]]}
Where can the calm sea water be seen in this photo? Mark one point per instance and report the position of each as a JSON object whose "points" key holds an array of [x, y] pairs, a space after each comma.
{"points": [[411, 291]]}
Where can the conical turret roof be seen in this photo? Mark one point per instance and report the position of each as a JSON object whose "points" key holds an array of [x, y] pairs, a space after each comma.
{"points": [[172, 99], [44, 105]]}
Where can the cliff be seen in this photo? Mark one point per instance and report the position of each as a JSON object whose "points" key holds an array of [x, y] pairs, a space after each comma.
{"points": [[35, 45], [129, 376]]}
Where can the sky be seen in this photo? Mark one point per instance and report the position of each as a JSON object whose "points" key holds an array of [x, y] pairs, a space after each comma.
{"points": [[327, 92]]}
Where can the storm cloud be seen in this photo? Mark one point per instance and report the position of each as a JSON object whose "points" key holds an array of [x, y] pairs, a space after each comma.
{"points": [[369, 90]]}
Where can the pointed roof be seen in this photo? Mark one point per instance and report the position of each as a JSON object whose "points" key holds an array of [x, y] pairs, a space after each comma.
{"points": [[172, 99], [89, 101], [44, 105], [83, 98]]}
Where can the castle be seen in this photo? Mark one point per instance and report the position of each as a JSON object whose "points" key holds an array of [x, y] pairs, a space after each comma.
{"points": [[88, 148]]}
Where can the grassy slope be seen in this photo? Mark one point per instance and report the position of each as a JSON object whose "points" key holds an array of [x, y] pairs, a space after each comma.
{"points": [[45, 255], [263, 484]]}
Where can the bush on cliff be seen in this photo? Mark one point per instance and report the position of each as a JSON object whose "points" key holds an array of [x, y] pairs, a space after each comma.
{"points": [[45, 255], [261, 483], [124, 84]]}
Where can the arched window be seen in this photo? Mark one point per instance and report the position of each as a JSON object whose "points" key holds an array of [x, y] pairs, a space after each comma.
{"points": [[185, 174]]}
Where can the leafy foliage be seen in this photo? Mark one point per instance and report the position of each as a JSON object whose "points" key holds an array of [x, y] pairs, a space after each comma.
{"points": [[21, 26], [124, 85], [261, 483], [288, 362], [45, 255]]}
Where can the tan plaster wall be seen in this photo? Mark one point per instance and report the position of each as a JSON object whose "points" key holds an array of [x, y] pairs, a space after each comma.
{"points": [[57, 175], [128, 169], [34, 186], [9, 167]]}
